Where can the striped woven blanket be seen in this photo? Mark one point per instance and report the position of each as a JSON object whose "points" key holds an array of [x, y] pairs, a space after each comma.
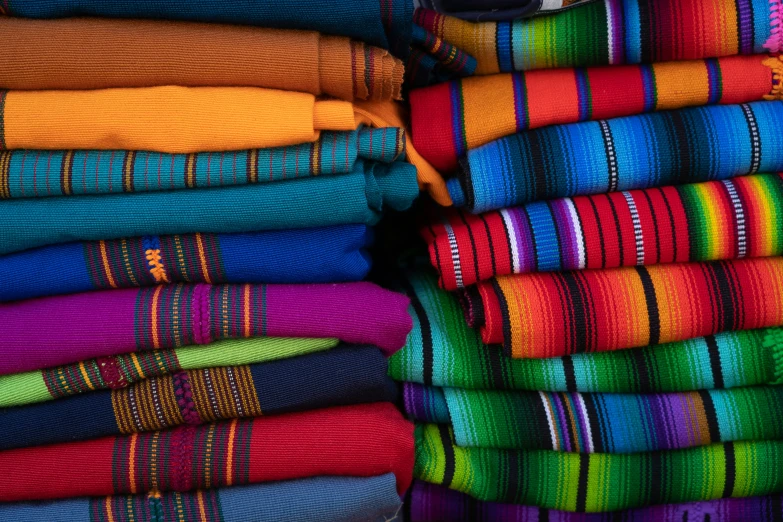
{"points": [[730, 219], [452, 118], [443, 351], [599, 482], [555, 314], [599, 422]]}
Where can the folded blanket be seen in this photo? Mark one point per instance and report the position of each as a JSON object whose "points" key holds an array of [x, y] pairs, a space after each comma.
{"points": [[653, 150], [385, 23], [484, 10], [120, 371], [614, 32], [311, 255], [337, 499], [729, 219], [355, 198], [94, 53], [443, 351], [356, 441], [554, 314], [599, 482], [75, 327], [337, 377], [599, 422], [433, 503], [451, 118]]}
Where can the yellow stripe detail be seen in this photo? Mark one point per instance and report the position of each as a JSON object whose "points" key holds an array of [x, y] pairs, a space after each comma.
{"points": [[106, 267], [109, 512], [87, 380], [230, 457], [246, 316], [137, 364], [203, 257], [132, 463], [154, 313], [201, 507], [67, 172]]}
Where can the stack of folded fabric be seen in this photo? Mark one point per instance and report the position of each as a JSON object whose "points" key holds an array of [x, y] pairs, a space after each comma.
{"points": [[613, 342], [188, 206]]}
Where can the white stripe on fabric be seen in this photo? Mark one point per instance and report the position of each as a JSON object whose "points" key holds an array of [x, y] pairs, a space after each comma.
{"points": [[637, 227]]}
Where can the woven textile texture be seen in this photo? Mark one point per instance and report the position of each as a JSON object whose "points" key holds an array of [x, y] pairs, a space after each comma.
{"points": [[75, 327], [338, 377], [599, 482], [312, 255], [337, 499], [653, 150], [555, 314], [452, 118], [730, 219], [385, 23], [81, 53], [599, 422], [42, 173], [612, 32], [357, 441], [485, 10], [120, 371], [356, 198], [433, 503], [443, 351]]}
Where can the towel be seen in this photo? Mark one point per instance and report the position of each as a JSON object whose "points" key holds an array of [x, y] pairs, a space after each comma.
{"points": [[357, 441], [337, 377], [452, 118], [599, 422], [599, 482], [75, 327], [730, 219], [120, 371]]}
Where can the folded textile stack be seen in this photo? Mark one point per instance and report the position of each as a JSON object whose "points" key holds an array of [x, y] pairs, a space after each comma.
{"points": [[603, 336], [186, 333]]}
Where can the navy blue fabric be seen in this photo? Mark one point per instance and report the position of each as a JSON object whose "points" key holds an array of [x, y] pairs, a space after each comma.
{"points": [[493, 10], [338, 377]]}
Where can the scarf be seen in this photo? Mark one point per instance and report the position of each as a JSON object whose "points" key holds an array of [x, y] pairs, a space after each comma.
{"points": [[311, 255], [120, 371], [599, 482], [356, 198], [384, 23], [452, 118], [338, 499], [75, 327], [432, 503], [338, 377], [485, 10], [736, 218], [599, 422], [443, 351], [614, 32], [357, 441], [555, 314]]}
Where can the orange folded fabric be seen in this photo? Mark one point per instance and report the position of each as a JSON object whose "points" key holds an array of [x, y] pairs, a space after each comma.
{"points": [[94, 53]]}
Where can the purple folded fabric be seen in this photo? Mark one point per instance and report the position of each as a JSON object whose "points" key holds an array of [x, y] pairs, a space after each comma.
{"points": [[58, 330]]}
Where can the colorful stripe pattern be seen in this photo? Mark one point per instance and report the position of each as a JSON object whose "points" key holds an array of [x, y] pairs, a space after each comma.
{"points": [[599, 482], [653, 150], [600, 422], [450, 119], [201, 505], [612, 32], [729, 219], [556, 314], [443, 351], [42, 173]]}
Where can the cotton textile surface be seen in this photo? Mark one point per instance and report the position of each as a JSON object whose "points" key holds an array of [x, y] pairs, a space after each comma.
{"points": [[452, 118], [613, 32], [484, 10], [120, 371], [432, 503], [555, 314], [337, 377], [727, 219], [338, 499], [599, 482], [356, 198], [385, 23], [599, 422], [356, 441], [668, 148], [170, 316], [442, 350], [82, 53]]}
